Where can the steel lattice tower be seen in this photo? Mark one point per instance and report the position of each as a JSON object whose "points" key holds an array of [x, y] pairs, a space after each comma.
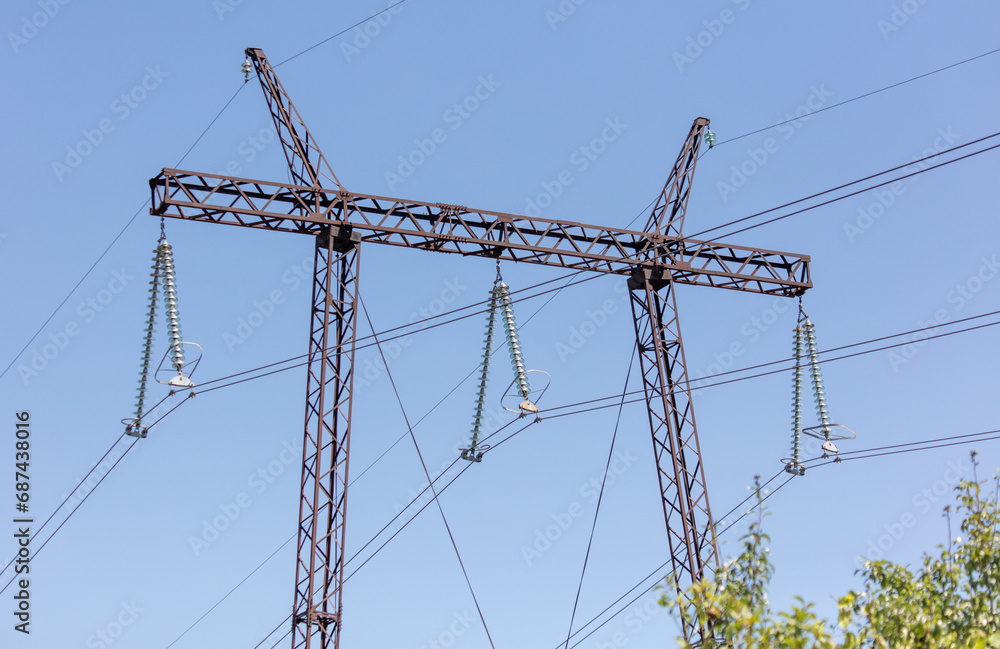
{"points": [[655, 260]]}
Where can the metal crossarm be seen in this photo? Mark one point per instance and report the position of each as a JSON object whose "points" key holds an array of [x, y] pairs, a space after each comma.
{"points": [[448, 228]]}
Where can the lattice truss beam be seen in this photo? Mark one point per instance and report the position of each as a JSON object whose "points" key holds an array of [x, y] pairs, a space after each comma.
{"points": [[449, 228]]}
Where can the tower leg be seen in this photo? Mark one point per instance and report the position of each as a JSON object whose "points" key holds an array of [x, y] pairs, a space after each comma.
{"points": [[690, 530], [319, 578]]}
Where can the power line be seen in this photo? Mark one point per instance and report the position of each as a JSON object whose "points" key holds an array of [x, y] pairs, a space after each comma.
{"points": [[910, 450], [44, 324], [600, 497], [867, 94], [861, 191], [659, 570], [430, 483], [742, 502], [655, 572], [910, 447], [73, 491], [178, 164], [407, 522], [231, 591], [336, 346], [965, 440], [89, 493], [599, 407], [73, 511], [340, 33], [853, 182], [826, 352], [287, 619], [636, 400], [864, 342], [653, 585], [278, 641], [761, 374]]}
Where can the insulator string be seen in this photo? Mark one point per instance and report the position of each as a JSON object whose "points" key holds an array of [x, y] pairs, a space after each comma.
{"points": [[817, 380], [165, 252], [803, 345], [136, 428], [797, 353], [513, 342], [500, 299], [162, 273], [471, 453]]}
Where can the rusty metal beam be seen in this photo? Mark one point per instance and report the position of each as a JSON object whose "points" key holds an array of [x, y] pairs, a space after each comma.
{"points": [[449, 228], [671, 207], [306, 162]]}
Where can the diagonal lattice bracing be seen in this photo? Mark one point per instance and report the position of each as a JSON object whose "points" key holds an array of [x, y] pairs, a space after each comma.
{"points": [[431, 226], [306, 162], [319, 576], [671, 207], [686, 510]]}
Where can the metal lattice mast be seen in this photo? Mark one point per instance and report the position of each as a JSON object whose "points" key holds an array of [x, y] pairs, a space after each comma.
{"points": [[317, 607], [683, 490], [319, 574], [656, 260]]}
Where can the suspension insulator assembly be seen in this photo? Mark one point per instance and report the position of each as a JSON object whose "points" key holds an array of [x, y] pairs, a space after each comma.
{"points": [[804, 350], [475, 451], [514, 346], [500, 300], [134, 426], [166, 258], [794, 466], [817, 380], [179, 372]]}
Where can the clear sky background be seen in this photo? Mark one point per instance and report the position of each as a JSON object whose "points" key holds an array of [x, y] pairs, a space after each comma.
{"points": [[553, 75]]}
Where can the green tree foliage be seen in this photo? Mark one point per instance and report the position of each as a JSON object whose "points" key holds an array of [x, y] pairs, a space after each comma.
{"points": [[952, 600]]}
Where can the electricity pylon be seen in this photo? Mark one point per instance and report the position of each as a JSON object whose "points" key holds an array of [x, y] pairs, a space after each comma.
{"points": [[655, 260]]}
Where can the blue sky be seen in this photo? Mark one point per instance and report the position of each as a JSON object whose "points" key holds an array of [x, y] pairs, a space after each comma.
{"points": [[102, 97]]}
